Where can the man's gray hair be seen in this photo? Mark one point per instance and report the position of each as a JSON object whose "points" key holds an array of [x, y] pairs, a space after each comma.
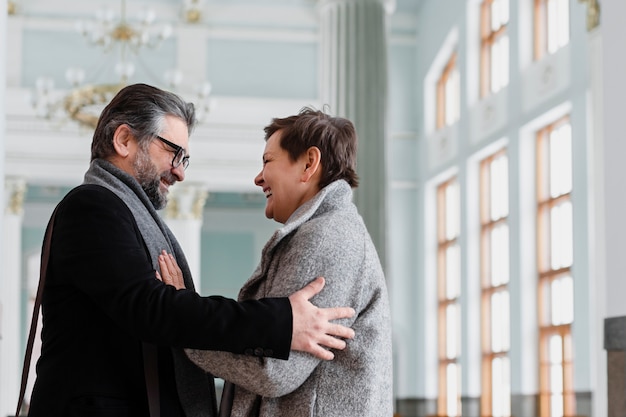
{"points": [[143, 109]]}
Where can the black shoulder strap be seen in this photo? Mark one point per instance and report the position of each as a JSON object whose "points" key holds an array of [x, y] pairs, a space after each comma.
{"points": [[151, 373], [45, 256]]}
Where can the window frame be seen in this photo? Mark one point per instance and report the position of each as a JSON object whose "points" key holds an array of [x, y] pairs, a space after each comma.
{"points": [[448, 70], [488, 38], [541, 29], [546, 275], [443, 302], [487, 225]]}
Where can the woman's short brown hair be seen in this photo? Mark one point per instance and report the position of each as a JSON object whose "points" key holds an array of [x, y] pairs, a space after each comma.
{"points": [[335, 137]]}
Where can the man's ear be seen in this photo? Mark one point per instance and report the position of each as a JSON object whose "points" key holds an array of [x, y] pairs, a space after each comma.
{"points": [[312, 160], [123, 141]]}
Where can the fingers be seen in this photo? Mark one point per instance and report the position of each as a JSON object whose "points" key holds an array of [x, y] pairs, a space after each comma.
{"points": [[322, 353], [330, 342], [166, 277], [313, 331], [171, 274], [311, 288], [337, 330], [335, 313]]}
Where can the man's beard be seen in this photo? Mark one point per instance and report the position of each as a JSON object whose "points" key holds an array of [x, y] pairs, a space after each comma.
{"points": [[150, 180]]}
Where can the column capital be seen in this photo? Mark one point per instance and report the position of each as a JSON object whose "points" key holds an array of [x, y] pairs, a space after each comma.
{"points": [[593, 13], [14, 192], [186, 202]]}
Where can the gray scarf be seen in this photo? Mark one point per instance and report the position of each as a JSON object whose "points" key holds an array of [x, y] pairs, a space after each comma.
{"points": [[196, 396]]}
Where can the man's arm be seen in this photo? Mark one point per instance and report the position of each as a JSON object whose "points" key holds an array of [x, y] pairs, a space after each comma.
{"points": [[312, 329]]}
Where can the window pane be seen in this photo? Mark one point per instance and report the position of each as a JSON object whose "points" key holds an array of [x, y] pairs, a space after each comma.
{"points": [[452, 390], [452, 100], [504, 61], [501, 387], [561, 161], [495, 15], [499, 63], [453, 272], [452, 331], [556, 378], [558, 24], [453, 211], [494, 70], [504, 11], [555, 385], [501, 71], [500, 338], [552, 25], [500, 255], [499, 186], [561, 236], [563, 27], [562, 301], [556, 405], [499, 14], [555, 350]]}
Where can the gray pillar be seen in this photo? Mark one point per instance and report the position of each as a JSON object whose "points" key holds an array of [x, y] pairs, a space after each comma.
{"points": [[354, 85], [615, 345], [611, 285]]}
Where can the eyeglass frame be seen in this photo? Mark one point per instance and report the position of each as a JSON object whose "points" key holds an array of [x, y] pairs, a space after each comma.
{"points": [[177, 150]]}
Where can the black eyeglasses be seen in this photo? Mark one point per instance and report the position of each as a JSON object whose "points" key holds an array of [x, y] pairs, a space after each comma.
{"points": [[179, 153]]}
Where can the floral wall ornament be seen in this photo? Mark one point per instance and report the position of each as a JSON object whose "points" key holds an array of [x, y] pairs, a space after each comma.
{"points": [[593, 13]]}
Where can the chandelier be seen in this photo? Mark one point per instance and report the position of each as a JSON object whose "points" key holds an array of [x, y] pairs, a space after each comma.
{"points": [[84, 102]]}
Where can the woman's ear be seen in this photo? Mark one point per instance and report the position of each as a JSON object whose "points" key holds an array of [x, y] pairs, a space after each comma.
{"points": [[313, 161], [123, 141]]}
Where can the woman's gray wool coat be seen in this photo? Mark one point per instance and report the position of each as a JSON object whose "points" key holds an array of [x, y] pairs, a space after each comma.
{"points": [[324, 237]]}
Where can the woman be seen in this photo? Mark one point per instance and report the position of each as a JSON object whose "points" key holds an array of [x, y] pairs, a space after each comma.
{"points": [[308, 172]]}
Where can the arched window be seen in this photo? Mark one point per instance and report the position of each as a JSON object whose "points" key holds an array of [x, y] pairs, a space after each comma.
{"points": [[551, 26], [494, 49], [449, 94]]}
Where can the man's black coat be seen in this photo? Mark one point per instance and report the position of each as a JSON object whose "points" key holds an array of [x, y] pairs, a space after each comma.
{"points": [[102, 300]]}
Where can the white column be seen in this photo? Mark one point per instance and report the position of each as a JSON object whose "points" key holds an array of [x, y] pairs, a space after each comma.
{"points": [[8, 378], [183, 215], [10, 296], [354, 85]]}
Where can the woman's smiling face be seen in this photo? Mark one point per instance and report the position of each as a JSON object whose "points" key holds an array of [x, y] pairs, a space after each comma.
{"points": [[282, 181]]}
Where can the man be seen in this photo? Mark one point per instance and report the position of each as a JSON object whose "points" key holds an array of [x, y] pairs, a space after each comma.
{"points": [[108, 322]]}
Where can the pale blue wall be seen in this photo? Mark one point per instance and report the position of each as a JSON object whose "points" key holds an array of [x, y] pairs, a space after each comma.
{"points": [[227, 259], [234, 232], [50, 53], [263, 68]]}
